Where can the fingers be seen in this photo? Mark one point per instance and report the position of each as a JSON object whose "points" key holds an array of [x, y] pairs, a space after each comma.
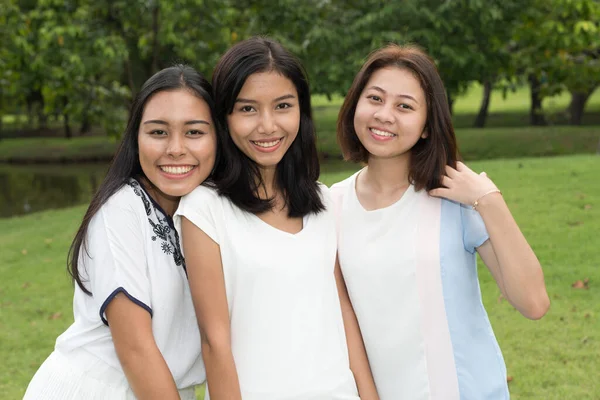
{"points": [[439, 192], [446, 181], [451, 171], [460, 167]]}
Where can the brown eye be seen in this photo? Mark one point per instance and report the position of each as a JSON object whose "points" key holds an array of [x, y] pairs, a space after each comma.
{"points": [[195, 133]]}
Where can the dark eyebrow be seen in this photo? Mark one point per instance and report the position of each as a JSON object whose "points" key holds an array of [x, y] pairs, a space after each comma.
{"points": [[192, 122], [284, 97], [197, 121], [377, 88]]}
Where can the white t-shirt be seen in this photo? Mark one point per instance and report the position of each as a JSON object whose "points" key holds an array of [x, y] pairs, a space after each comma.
{"points": [[134, 249], [411, 274], [287, 333]]}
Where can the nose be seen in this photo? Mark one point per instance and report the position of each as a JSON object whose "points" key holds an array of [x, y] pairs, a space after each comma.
{"points": [[267, 124], [384, 114], [176, 146]]}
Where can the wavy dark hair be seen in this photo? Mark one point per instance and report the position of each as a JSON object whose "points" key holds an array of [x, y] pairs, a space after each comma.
{"points": [[237, 176], [126, 162], [430, 155]]}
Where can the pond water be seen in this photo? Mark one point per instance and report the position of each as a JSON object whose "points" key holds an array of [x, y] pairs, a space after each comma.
{"points": [[31, 188]]}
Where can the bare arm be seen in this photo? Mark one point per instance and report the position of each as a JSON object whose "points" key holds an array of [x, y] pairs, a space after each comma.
{"points": [[207, 284], [359, 363], [143, 364], [507, 254], [511, 260]]}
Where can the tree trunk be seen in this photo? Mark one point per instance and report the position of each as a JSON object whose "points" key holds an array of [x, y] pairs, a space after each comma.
{"points": [[450, 102], [485, 105], [577, 106], [42, 118], [536, 114], [86, 124], [67, 126], [137, 69]]}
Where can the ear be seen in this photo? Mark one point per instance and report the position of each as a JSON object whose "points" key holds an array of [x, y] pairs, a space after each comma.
{"points": [[425, 134]]}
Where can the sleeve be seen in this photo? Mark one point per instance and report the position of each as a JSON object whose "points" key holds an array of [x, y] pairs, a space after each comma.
{"points": [[474, 232], [200, 207], [337, 197], [115, 260]]}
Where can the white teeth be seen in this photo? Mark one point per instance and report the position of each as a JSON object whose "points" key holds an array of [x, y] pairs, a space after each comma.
{"points": [[176, 170], [382, 133], [267, 144]]}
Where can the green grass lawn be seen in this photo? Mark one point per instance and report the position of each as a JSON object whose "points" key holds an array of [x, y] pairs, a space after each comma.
{"points": [[556, 201]]}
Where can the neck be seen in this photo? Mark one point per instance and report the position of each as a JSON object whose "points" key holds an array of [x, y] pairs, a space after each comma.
{"points": [[386, 175], [167, 203], [269, 188]]}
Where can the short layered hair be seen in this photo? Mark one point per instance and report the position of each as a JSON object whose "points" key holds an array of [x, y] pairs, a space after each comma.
{"points": [[430, 155]]}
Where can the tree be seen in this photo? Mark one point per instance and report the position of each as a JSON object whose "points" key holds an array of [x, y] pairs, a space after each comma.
{"points": [[557, 46]]}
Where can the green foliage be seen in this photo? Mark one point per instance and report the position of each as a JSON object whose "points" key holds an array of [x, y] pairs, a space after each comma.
{"points": [[79, 64], [82, 60], [559, 41], [13, 28]]}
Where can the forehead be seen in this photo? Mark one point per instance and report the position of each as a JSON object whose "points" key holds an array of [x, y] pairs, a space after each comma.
{"points": [[396, 81], [174, 103], [265, 84]]}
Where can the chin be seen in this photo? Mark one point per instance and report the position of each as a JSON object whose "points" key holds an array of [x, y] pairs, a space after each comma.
{"points": [[179, 190]]}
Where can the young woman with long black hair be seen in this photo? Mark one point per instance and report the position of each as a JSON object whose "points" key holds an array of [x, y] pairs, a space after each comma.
{"points": [[135, 332], [261, 248]]}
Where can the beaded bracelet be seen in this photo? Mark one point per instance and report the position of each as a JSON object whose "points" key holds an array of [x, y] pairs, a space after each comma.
{"points": [[476, 202]]}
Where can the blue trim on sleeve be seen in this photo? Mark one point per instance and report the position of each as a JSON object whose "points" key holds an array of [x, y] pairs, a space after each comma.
{"points": [[113, 295]]}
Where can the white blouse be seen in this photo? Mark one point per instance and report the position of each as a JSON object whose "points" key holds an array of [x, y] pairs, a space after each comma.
{"points": [[411, 274], [287, 333], [133, 248]]}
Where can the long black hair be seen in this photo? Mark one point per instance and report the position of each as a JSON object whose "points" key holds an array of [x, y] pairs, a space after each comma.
{"points": [[236, 175], [126, 162]]}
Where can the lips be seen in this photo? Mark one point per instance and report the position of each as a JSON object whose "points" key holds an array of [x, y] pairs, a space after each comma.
{"points": [[382, 133], [176, 169], [266, 144]]}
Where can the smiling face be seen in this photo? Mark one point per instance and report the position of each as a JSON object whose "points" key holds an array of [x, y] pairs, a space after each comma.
{"points": [[391, 113], [265, 118], [177, 145]]}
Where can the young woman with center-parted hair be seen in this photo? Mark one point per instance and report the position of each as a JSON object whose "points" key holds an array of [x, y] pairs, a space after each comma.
{"points": [[261, 248], [410, 223], [135, 333]]}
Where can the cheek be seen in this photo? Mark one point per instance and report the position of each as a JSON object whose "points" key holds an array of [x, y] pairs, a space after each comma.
{"points": [[238, 129], [294, 125], [361, 115], [290, 123], [145, 150]]}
